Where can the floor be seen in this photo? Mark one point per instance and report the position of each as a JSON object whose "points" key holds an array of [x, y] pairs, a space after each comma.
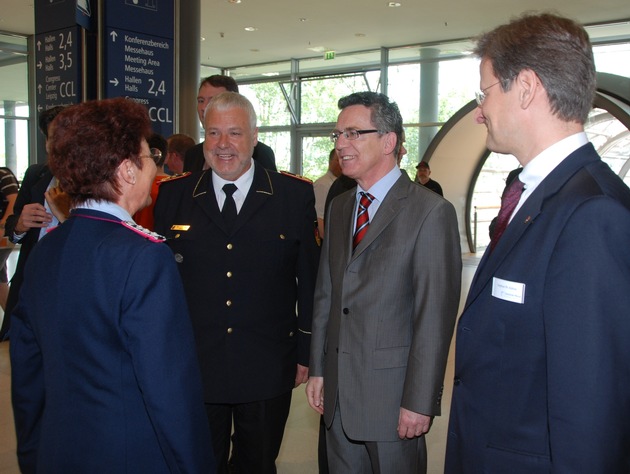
{"points": [[299, 449]]}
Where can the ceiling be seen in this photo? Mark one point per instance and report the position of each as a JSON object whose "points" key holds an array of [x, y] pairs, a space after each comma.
{"points": [[299, 29]]}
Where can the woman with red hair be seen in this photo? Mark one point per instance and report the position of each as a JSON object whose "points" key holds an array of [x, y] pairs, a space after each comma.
{"points": [[104, 373]]}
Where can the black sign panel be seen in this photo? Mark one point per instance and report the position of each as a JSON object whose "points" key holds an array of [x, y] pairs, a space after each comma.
{"points": [[58, 68], [140, 56]]}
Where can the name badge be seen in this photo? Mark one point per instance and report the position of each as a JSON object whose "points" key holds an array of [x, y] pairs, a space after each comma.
{"points": [[508, 290], [180, 227]]}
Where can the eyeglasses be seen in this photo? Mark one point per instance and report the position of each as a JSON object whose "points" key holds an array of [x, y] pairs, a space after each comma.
{"points": [[155, 154], [481, 95], [350, 134]]}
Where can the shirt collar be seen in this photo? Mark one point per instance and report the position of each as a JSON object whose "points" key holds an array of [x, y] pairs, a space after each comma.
{"points": [[107, 207], [380, 189], [243, 183], [543, 164]]}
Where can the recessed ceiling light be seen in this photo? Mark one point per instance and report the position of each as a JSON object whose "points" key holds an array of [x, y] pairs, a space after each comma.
{"points": [[360, 35], [203, 38], [234, 1], [303, 20], [394, 4], [251, 28]]}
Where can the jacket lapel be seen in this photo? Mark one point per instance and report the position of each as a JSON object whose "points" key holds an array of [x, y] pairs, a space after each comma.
{"points": [[527, 215], [205, 198], [258, 194], [387, 211]]}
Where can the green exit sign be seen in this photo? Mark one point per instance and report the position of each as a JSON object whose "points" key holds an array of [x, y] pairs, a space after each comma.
{"points": [[329, 55]]}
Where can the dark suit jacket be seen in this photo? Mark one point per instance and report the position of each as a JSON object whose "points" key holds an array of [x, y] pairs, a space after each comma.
{"points": [[242, 286], [544, 386], [34, 185], [384, 315], [104, 379], [263, 154]]}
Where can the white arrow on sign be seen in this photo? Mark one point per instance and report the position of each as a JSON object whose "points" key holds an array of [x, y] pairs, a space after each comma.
{"points": [[39, 65], [114, 81], [113, 34]]}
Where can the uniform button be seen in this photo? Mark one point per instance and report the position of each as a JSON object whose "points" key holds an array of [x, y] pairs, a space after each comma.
{"points": [[230, 330], [457, 381], [346, 311], [230, 246], [228, 303], [229, 274], [179, 258], [177, 236], [291, 334], [282, 237]]}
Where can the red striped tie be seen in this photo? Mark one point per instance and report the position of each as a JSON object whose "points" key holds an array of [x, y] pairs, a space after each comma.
{"points": [[363, 219]]}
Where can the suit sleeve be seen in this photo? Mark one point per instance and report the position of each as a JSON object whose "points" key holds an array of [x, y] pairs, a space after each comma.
{"points": [[24, 197], [321, 309], [437, 281], [587, 337], [160, 341], [308, 259], [27, 388]]}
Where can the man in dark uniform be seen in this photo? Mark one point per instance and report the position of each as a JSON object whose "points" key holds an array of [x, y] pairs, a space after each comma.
{"points": [[244, 240], [210, 87]]}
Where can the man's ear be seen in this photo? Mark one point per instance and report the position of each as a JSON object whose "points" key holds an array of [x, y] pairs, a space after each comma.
{"points": [[389, 144], [529, 87]]}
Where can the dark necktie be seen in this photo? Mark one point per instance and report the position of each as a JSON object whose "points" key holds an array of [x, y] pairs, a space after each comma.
{"points": [[508, 203], [363, 219], [229, 206]]}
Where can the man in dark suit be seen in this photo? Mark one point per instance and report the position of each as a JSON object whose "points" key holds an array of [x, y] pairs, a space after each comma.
{"points": [[39, 205], [244, 239], [210, 87], [543, 345], [385, 303]]}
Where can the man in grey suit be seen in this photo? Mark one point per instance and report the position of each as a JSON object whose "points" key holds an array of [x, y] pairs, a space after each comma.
{"points": [[385, 303]]}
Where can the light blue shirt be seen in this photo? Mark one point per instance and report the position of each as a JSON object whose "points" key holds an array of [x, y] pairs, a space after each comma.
{"points": [[108, 208], [378, 190]]}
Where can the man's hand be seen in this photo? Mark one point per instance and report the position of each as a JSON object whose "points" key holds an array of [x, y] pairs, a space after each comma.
{"points": [[315, 394], [411, 424], [32, 215], [59, 203], [301, 376]]}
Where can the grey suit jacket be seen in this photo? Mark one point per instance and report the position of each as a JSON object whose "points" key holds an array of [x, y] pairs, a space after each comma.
{"points": [[384, 316]]}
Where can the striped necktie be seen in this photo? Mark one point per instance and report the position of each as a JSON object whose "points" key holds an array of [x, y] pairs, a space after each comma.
{"points": [[363, 219]]}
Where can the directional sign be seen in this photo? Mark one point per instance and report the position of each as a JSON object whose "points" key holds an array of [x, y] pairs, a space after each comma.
{"points": [[140, 56], [58, 68]]}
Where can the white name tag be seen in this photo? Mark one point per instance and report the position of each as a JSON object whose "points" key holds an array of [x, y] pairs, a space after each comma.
{"points": [[508, 290]]}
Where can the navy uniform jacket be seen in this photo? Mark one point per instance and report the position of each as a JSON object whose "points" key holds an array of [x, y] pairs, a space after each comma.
{"points": [[104, 379], [242, 286], [543, 386], [263, 154], [34, 185]]}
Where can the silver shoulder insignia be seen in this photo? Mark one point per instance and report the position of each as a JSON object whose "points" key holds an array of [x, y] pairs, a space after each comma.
{"points": [[149, 234]]}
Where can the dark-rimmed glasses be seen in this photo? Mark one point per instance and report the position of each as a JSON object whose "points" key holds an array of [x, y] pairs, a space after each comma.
{"points": [[349, 133]]}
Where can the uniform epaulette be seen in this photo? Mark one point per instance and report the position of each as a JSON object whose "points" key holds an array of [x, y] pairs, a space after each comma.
{"points": [[297, 176], [174, 177], [138, 229]]}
